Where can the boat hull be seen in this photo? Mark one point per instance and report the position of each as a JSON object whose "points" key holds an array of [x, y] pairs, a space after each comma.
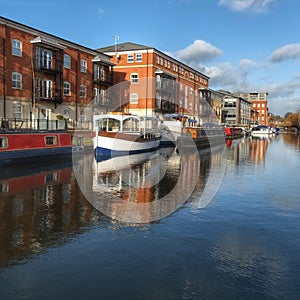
{"points": [[26, 145], [116, 144]]}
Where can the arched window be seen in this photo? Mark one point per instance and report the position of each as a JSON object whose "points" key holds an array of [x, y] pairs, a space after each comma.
{"points": [[67, 88]]}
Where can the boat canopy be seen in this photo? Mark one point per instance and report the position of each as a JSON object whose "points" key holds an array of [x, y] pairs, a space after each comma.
{"points": [[175, 116]]}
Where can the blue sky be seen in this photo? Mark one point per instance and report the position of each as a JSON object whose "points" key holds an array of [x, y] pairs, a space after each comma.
{"points": [[243, 45]]}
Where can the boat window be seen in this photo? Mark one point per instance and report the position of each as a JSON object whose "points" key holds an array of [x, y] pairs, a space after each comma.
{"points": [[4, 188], [50, 140], [130, 124], [3, 142], [108, 124]]}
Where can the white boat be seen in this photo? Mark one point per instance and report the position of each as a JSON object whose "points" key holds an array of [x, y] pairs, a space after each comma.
{"points": [[262, 130], [122, 134], [171, 128]]}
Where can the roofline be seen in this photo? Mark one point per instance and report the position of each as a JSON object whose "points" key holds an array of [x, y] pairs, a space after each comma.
{"points": [[161, 53], [35, 31]]}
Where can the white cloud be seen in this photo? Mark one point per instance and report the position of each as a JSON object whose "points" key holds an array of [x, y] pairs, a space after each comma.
{"points": [[290, 51], [221, 76], [100, 11], [256, 6], [198, 52]]}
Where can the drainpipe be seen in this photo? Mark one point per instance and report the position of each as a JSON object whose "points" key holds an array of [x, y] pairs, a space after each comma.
{"points": [[147, 84], [76, 103], [4, 73]]}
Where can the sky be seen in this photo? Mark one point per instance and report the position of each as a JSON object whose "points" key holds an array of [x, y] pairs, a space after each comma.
{"points": [[242, 45]]}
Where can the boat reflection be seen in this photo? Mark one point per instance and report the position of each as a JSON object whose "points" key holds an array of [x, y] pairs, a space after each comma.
{"points": [[39, 207], [132, 188], [147, 187]]}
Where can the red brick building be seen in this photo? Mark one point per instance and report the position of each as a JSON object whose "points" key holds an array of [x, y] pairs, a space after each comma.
{"points": [[159, 84], [259, 107], [42, 75]]}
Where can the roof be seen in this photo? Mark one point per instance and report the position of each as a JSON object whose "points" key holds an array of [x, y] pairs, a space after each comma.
{"points": [[128, 46], [42, 36], [124, 47]]}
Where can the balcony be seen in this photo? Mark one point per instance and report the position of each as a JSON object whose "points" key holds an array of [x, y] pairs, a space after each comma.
{"points": [[106, 80], [48, 69]]}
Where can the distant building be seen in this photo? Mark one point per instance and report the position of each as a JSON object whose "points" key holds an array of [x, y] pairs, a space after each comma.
{"points": [[43, 76], [160, 84], [236, 111], [259, 107], [215, 100]]}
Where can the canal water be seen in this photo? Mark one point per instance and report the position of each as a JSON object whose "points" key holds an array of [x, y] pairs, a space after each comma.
{"points": [[219, 225]]}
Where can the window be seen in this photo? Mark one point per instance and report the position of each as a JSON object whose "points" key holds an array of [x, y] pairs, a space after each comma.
{"points": [[50, 140], [44, 88], [99, 95], [130, 58], [16, 48], [17, 111], [138, 57], [67, 88], [67, 61], [44, 58], [3, 142], [134, 98], [83, 91], [83, 65], [99, 72], [134, 78], [16, 80]]}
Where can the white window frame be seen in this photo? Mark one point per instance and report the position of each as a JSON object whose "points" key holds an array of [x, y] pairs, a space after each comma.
{"points": [[67, 61], [139, 57], [17, 111], [134, 98], [82, 91], [67, 88], [16, 79], [16, 47], [130, 58], [134, 78], [83, 66]]}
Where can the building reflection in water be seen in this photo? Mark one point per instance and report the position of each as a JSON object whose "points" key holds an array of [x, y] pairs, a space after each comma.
{"points": [[45, 206], [147, 187], [39, 209], [252, 149]]}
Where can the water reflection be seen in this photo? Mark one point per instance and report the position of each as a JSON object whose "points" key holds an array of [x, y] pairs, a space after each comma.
{"points": [[39, 207], [43, 205]]}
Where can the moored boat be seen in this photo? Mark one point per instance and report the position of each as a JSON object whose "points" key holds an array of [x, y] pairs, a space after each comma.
{"points": [[123, 134], [262, 130], [22, 143], [233, 132], [201, 137]]}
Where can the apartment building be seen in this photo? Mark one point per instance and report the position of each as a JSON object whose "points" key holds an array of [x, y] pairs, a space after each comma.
{"points": [[236, 110], [43, 76], [259, 107], [159, 84], [214, 100]]}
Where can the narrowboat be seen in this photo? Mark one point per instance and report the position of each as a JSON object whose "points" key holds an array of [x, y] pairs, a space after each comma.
{"points": [[118, 134], [18, 179], [26, 143], [233, 132], [201, 137]]}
